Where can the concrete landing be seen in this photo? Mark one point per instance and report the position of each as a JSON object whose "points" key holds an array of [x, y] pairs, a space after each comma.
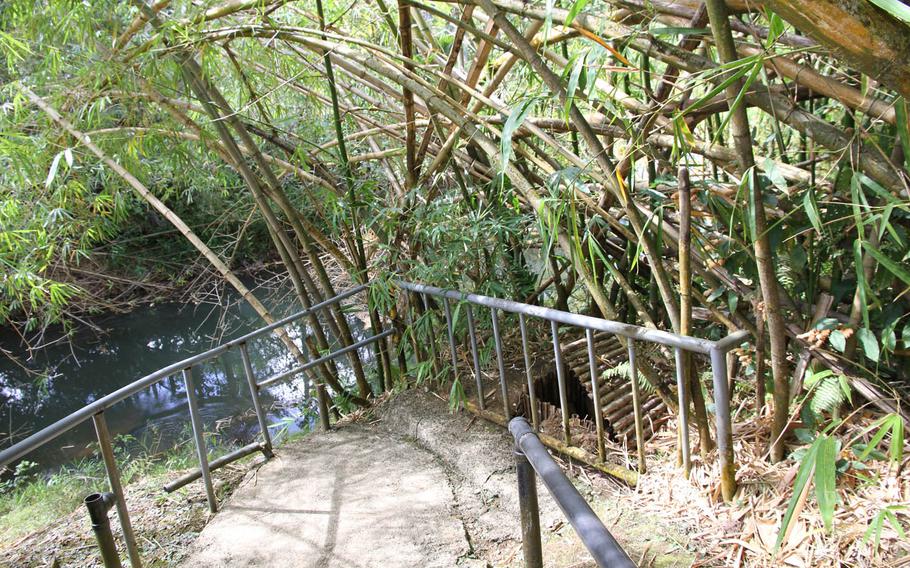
{"points": [[347, 498]]}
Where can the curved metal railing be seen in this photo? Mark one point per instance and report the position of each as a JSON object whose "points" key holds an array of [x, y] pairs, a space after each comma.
{"points": [[532, 456]]}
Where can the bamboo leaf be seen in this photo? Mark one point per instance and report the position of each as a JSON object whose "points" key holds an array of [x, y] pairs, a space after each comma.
{"points": [[838, 340], [806, 466], [774, 175], [516, 117], [892, 267], [861, 279], [576, 8], [895, 8], [811, 207], [896, 449], [578, 68], [52, 173], [825, 478]]}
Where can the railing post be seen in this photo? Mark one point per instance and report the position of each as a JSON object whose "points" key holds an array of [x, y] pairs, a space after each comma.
{"points": [[322, 399], [497, 342], [595, 391], [535, 412], [529, 511], [98, 504], [636, 408], [683, 428], [450, 327], [198, 434], [561, 380], [257, 404], [113, 476], [429, 315], [472, 334], [724, 426]]}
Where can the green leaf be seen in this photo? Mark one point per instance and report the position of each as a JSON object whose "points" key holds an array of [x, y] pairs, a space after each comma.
{"points": [[895, 8], [869, 342], [53, 171], [516, 117], [861, 277], [896, 448], [775, 28], [811, 207], [892, 267], [577, 70], [683, 31], [838, 341], [774, 175], [903, 127], [806, 467], [825, 479], [576, 8]]}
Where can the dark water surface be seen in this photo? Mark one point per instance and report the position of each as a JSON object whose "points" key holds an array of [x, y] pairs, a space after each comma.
{"points": [[72, 374]]}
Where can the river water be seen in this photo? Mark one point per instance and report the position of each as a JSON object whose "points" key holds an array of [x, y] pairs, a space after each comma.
{"points": [[89, 366]]}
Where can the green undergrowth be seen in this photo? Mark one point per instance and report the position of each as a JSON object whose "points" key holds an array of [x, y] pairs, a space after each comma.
{"points": [[32, 499]]}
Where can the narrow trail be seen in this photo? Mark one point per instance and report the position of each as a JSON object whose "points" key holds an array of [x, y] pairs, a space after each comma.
{"points": [[347, 498], [412, 485]]}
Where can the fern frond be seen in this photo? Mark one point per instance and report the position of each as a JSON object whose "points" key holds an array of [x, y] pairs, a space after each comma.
{"points": [[622, 370], [828, 395]]}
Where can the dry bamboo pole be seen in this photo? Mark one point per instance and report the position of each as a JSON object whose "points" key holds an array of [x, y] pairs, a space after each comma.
{"points": [[685, 310], [742, 138], [219, 110], [303, 285], [454, 50], [175, 220], [554, 84], [869, 159], [404, 36]]}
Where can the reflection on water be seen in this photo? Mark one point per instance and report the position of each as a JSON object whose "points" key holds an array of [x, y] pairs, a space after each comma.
{"points": [[136, 344]]}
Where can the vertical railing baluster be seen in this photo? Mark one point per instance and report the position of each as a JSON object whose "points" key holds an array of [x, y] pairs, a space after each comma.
{"points": [[113, 476], [257, 404], [595, 391], [427, 314], [198, 434], [724, 426], [473, 337], [529, 511], [683, 427], [561, 380], [636, 408], [497, 342], [532, 395], [450, 327], [322, 399]]}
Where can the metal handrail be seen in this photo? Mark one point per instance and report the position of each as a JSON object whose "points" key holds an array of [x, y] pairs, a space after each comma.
{"points": [[716, 351], [531, 453], [634, 332], [60, 427], [96, 412]]}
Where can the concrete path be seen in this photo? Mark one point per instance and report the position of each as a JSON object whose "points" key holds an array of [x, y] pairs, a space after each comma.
{"points": [[347, 498]]}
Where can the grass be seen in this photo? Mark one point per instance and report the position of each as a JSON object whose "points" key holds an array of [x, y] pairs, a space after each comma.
{"points": [[32, 499]]}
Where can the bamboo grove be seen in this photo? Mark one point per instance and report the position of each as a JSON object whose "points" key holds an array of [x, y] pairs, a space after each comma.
{"points": [[452, 141]]}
